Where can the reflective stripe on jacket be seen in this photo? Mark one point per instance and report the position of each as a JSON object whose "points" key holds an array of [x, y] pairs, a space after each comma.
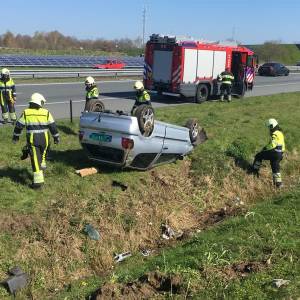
{"points": [[36, 120], [143, 97], [277, 142], [92, 94], [7, 90], [227, 77]]}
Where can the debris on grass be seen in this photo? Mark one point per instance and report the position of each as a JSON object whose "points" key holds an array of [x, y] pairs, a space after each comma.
{"points": [[280, 282], [249, 214], [86, 172], [119, 184], [152, 285], [16, 281], [122, 256], [145, 252], [169, 233], [92, 232]]}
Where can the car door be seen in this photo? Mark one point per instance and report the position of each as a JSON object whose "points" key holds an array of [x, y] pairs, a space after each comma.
{"points": [[176, 144], [148, 149]]}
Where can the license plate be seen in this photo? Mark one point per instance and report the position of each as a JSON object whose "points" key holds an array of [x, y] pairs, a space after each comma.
{"points": [[100, 137]]}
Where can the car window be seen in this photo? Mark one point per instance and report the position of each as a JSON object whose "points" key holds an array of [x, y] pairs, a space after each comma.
{"points": [[166, 157], [143, 160]]}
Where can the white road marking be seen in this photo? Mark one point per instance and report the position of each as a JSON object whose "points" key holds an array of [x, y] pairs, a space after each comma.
{"points": [[74, 101], [70, 83], [267, 85]]}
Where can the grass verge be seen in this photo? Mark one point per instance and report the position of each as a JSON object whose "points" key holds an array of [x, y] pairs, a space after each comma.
{"points": [[42, 231]]}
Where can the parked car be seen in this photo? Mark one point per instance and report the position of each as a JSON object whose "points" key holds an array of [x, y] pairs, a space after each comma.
{"points": [[139, 141], [273, 69], [111, 64]]}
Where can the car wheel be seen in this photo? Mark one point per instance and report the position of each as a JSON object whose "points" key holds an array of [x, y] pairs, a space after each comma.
{"points": [[95, 105], [145, 116], [197, 134], [201, 93], [286, 74]]}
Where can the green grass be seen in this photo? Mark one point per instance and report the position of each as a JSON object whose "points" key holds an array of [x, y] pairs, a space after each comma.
{"points": [[288, 54], [269, 233], [42, 231]]}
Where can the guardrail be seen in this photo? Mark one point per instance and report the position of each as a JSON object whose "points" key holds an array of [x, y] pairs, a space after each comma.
{"points": [[97, 73], [84, 73], [294, 68]]}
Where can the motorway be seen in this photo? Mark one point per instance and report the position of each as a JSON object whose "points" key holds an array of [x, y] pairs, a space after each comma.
{"points": [[119, 94]]}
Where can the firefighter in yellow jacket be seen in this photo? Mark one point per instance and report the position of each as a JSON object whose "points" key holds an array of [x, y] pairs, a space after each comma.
{"points": [[272, 152], [38, 121], [141, 96], [7, 96]]}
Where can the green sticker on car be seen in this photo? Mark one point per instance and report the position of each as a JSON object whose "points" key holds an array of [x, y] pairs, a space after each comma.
{"points": [[100, 137]]}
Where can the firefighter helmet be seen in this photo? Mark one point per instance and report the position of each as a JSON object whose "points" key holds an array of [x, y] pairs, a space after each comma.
{"points": [[271, 123], [89, 80], [37, 99], [138, 85], [5, 71]]}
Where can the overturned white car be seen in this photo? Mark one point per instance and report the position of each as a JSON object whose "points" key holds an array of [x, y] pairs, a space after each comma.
{"points": [[138, 141]]}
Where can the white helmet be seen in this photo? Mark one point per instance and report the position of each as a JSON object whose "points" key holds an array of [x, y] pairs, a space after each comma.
{"points": [[138, 85], [5, 71], [89, 80], [271, 123], [37, 99]]}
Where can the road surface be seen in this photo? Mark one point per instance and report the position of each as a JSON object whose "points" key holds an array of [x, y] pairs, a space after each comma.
{"points": [[120, 95]]}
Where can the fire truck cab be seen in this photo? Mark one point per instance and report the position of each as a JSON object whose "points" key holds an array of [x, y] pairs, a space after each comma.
{"points": [[190, 68]]}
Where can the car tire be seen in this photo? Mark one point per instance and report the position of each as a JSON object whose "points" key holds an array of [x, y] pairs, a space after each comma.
{"points": [[287, 74], [193, 127], [201, 93], [95, 105], [145, 116]]}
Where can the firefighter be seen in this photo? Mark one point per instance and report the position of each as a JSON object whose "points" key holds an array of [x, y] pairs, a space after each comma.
{"points": [[272, 152], [38, 121], [226, 78], [7, 96], [141, 96], [92, 91]]}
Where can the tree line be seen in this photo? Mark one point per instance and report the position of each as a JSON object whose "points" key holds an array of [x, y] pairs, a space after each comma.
{"points": [[55, 40]]}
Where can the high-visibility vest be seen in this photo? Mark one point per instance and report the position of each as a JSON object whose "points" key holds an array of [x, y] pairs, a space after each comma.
{"points": [[92, 94], [7, 90], [227, 77], [143, 97], [36, 120], [277, 142]]}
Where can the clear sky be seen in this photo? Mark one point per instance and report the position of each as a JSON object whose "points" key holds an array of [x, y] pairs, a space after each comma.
{"points": [[249, 22]]}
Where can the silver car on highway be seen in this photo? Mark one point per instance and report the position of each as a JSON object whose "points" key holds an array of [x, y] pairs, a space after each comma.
{"points": [[117, 139]]}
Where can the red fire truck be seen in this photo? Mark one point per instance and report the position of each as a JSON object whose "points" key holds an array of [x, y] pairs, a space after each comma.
{"points": [[190, 68]]}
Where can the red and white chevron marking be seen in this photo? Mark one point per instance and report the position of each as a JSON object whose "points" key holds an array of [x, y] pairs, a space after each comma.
{"points": [[176, 75]]}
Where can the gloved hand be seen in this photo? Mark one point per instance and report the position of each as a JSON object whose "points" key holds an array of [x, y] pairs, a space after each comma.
{"points": [[56, 140], [15, 138]]}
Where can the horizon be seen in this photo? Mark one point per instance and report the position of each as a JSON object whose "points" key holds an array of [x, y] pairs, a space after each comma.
{"points": [[115, 19]]}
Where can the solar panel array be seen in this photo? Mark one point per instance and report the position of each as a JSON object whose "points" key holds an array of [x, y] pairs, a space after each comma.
{"points": [[64, 61]]}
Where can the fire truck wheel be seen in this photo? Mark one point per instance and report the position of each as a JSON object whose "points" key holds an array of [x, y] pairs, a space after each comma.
{"points": [[95, 105], [201, 93], [145, 116]]}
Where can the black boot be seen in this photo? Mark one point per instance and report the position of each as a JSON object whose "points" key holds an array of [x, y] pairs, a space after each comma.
{"points": [[36, 186]]}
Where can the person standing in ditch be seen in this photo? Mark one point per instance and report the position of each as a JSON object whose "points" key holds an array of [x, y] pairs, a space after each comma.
{"points": [[92, 91], [141, 96], [226, 79], [272, 152]]}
